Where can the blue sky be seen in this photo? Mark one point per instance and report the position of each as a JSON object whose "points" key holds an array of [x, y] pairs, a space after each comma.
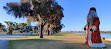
{"points": [[75, 13]]}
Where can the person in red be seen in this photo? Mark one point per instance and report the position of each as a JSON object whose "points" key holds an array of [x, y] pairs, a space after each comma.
{"points": [[93, 38]]}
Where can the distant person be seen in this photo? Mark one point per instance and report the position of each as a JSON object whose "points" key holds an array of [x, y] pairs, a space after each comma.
{"points": [[93, 38]]}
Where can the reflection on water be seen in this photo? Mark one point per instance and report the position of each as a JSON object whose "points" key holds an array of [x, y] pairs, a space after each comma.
{"points": [[106, 35]]}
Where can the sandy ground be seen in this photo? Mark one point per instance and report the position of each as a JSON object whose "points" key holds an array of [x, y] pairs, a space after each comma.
{"points": [[66, 41]]}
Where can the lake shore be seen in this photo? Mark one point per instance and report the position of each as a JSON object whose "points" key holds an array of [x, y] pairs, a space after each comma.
{"points": [[84, 31], [103, 35], [56, 41]]}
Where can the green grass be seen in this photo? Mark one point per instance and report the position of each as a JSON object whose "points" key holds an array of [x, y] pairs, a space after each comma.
{"points": [[36, 43], [56, 41], [43, 44], [11, 44]]}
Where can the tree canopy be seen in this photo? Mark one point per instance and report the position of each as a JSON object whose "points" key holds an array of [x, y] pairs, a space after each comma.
{"points": [[44, 11]]}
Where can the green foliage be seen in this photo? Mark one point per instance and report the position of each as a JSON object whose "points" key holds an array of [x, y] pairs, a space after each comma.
{"points": [[18, 10], [22, 26], [2, 27]]}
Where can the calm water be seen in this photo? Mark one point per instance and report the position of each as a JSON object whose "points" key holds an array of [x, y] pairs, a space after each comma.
{"points": [[106, 35]]}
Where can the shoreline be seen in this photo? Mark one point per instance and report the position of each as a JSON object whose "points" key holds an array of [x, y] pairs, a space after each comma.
{"points": [[108, 39], [104, 38], [84, 31]]}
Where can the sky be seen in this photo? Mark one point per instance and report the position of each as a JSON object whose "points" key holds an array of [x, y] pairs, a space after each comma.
{"points": [[75, 13]]}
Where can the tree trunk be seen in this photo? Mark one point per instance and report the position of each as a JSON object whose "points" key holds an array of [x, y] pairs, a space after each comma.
{"points": [[41, 29], [48, 33], [51, 33], [10, 32]]}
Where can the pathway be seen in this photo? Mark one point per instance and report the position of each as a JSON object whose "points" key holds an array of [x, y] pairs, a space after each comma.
{"points": [[4, 44], [4, 40]]}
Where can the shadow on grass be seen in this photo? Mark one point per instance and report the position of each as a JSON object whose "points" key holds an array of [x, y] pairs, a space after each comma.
{"points": [[16, 44]]}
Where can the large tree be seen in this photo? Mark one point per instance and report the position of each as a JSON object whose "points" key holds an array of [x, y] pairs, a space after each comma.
{"points": [[42, 10]]}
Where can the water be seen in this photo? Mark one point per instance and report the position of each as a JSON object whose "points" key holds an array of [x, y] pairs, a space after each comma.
{"points": [[105, 35], [9, 35]]}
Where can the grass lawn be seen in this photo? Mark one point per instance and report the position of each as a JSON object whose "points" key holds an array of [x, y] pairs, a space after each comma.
{"points": [[56, 41]]}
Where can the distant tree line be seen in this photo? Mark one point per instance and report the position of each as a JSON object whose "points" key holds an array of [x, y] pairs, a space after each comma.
{"points": [[18, 26], [2, 27]]}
